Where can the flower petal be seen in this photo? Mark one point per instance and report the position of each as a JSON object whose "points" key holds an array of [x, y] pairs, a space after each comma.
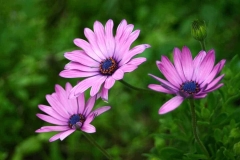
{"points": [[88, 128], [77, 66], [81, 103], [92, 38], [109, 82], [196, 64], [118, 74], [101, 110], [87, 48], [206, 66], [187, 63], [110, 42], [66, 133], [55, 137], [83, 86], [214, 82], [51, 112], [89, 105], [177, 62], [169, 71], [166, 84], [134, 51], [56, 105], [171, 105], [52, 128], [95, 88], [82, 58], [99, 32], [159, 88], [103, 94], [50, 119], [137, 61], [128, 68]]}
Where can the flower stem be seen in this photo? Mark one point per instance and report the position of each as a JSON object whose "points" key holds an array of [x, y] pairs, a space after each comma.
{"points": [[132, 87], [194, 126], [91, 140], [203, 45]]}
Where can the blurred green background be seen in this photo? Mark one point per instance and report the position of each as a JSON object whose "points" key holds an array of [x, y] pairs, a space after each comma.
{"points": [[34, 34]]}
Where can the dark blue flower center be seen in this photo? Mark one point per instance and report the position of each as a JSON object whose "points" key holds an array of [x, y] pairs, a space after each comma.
{"points": [[76, 121], [108, 66], [190, 87]]}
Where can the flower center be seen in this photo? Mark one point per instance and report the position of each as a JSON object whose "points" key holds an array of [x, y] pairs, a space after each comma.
{"points": [[76, 121], [108, 66], [190, 87]]}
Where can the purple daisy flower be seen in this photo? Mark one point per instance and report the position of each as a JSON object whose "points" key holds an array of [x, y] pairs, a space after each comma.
{"points": [[187, 77], [104, 58], [68, 115]]}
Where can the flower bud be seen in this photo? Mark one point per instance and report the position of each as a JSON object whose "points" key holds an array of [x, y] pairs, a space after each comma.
{"points": [[199, 30]]}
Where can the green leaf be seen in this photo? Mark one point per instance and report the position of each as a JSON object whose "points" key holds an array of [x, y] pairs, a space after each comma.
{"points": [[171, 153], [196, 156]]}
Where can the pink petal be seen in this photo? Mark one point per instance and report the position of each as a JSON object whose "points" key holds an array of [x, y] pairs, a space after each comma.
{"points": [[100, 110], [169, 71], [88, 128], [137, 61], [206, 66], [118, 74], [96, 87], [210, 77], [81, 103], [159, 88], [51, 112], [92, 38], [121, 27], [82, 58], [200, 96], [77, 66], [134, 51], [196, 64], [177, 62], [99, 32], [187, 63], [87, 48], [166, 84], [89, 118], [222, 62], [110, 41], [63, 99], [171, 105], [76, 74], [73, 102], [214, 82], [128, 68], [104, 94], [55, 137], [83, 85], [89, 105], [56, 105], [51, 119], [214, 87], [109, 82], [52, 128], [66, 133]]}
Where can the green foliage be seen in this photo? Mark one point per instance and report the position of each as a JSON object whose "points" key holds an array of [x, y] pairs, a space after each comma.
{"points": [[34, 36]]}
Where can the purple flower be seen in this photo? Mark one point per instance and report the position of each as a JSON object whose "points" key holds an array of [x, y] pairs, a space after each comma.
{"points": [[104, 58], [187, 78], [68, 115]]}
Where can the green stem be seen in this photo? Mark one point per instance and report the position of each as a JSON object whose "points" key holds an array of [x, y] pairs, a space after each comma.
{"points": [[132, 87], [91, 140], [203, 45], [194, 126]]}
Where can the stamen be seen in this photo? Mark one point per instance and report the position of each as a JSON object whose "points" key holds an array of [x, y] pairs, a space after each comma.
{"points": [[190, 87], [108, 66], [76, 121]]}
